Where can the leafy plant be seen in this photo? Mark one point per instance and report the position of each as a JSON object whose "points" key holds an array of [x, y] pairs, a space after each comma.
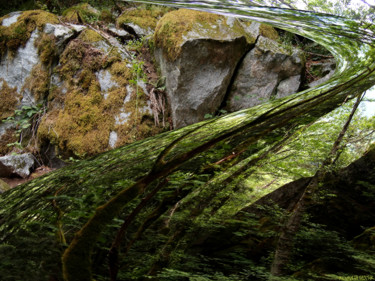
{"points": [[26, 121]]}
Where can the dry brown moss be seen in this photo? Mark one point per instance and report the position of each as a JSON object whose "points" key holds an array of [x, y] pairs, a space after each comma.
{"points": [[80, 121], [17, 34], [9, 137], [38, 83], [47, 49], [9, 99], [78, 56]]}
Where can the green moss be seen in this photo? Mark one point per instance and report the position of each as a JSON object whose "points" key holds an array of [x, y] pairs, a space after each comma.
{"points": [[81, 13], [269, 32], [144, 16], [78, 56], [47, 49], [106, 16], [9, 100], [82, 127], [121, 72], [90, 36], [17, 34], [38, 82], [170, 31]]}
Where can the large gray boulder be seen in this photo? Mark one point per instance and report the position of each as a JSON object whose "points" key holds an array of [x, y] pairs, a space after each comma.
{"points": [[198, 59], [268, 71], [16, 165]]}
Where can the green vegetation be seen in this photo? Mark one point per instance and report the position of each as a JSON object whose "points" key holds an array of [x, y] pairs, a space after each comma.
{"points": [[205, 202], [26, 121]]}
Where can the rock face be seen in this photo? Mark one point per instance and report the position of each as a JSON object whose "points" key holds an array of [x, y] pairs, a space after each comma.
{"points": [[96, 101], [324, 69], [200, 62], [268, 71], [18, 165], [97, 89]]}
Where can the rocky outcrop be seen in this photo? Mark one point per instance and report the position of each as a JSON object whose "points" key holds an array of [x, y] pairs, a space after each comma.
{"points": [[198, 53], [16, 165], [324, 69], [206, 63], [268, 71], [96, 88], [96, 97]]}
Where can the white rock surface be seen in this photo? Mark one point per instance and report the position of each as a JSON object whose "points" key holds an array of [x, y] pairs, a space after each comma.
{"points": [[112, 139], [12, 18], [15, 71], [267, 71], [106, 81], [19, 165], [60, 32]]}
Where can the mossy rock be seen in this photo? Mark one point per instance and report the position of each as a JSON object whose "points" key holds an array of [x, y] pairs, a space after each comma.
{"points": [[145, 16], [18, 33], [84, 111], [176, 27], [81, 13]]}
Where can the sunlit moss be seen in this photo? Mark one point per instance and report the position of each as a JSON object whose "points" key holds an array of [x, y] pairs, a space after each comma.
{"points": [[268, 31], [172, 27], [17, 34], [81, 13], [90, 36], [144, 16]]}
